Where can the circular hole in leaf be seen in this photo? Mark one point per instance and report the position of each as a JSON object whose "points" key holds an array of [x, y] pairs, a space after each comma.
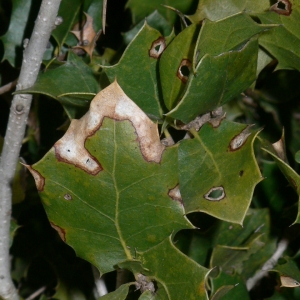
{"points": [[215, 194]]}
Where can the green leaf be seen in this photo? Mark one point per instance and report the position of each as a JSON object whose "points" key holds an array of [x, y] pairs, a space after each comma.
{"points": [[136, 71], [230, 259], [73, 84], [178, 55], [218, 9], [69, 12], [228, 34], [13, 229], [210, 163], [154, 20], [119, 294], [283, 42], [287, 267], [109, 185], [19, 21], [169, 268], [218, 79], [226, 281], [141, 10], [222, 291]]}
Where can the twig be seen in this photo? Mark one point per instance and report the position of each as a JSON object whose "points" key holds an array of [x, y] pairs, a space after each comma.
{"points": [[104, 9], [269, 264], [36, 293], [9, 86], [19, 110]]}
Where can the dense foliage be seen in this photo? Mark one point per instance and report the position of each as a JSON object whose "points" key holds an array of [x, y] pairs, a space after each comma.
{"points": [[174, 170]]}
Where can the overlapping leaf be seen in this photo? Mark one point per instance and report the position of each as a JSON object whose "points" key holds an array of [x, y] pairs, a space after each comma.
{"points": [[154, 20], [179, 54], [142, 9], [218, 171], [218, 79], [108, 185], [283, 42], [73, 84], [168, 267], [228, 34], [136, 71], [218, 9], [68, 11], [19, 22]]}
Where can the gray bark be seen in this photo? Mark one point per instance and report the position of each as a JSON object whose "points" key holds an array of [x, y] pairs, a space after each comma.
{"points": [[20, 106]]}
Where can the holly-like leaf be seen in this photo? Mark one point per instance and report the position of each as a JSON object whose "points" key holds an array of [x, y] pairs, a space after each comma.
{"points": [[136, 71], [68, 11], [232, 284], [15, 35], [154, 20], [73, 84], [168, 267], [227, 34], [109, 185], [283, 42], [175, 65], [140, 10], [218, 171], [218, 79], [219, 9]]}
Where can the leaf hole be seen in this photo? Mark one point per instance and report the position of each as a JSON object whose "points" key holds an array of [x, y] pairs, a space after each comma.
{"points": [[184, 70], [157, 48], [282, 7], [241, 173], [215, 194]]}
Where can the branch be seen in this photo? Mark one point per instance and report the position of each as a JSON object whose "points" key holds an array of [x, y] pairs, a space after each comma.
{"points": [[19, 110], [269, 264]]}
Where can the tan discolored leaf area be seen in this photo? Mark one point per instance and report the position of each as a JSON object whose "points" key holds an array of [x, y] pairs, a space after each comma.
{"points": [[87, 36]]}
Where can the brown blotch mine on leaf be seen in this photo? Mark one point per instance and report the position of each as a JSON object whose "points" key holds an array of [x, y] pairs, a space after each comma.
{"points": [[112, 103], [184, 70], [175, 194], [61, 231], [215, 194], [239, 140], [157, 48], [87, 36], [282, 7], [38, 178]]}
